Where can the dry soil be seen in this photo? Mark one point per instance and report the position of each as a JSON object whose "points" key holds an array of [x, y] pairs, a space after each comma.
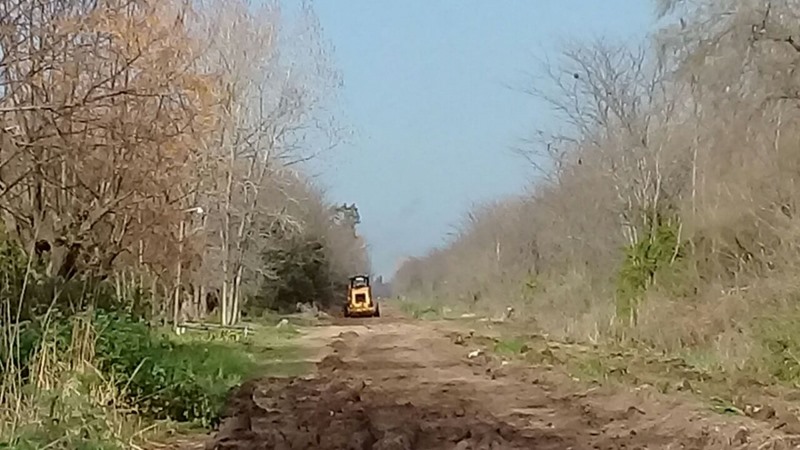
{"points": [[399, 384]]}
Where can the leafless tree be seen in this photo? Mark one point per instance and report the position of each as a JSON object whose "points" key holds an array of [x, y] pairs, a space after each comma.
{"points": [[148, 141], [696, 127]]}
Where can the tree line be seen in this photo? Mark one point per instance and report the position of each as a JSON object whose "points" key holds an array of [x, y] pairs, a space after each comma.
{"points": [[665, 209], [155, 149]]}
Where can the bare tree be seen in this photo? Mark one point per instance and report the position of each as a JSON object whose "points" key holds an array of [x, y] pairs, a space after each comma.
{"points": [[70, 178], [694, 130], [146, 141], [272, 110]]}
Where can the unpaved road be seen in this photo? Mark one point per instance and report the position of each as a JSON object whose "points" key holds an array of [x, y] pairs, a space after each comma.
{"points": [[393, 383]]}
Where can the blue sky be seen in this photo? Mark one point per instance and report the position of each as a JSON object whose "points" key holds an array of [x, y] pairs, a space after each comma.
{"points": [[425, 90]]}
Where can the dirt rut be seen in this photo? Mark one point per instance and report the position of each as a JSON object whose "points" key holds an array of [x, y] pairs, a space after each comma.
{"points": [[403, 385]]}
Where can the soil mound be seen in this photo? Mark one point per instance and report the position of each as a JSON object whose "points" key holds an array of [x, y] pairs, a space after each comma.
{"points": [[331, 415]]}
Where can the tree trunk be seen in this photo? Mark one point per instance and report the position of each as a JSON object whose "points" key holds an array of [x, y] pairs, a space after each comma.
{"points": [[153, 296], [237, 295], [202, 305], [177, 305], [226, 243], [196, 301]]}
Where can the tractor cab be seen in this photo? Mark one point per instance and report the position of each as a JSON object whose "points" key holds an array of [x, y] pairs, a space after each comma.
{"points": [[359, 298], [359, 281]]}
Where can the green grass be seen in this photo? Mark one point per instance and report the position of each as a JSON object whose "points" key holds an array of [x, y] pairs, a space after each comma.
{"points": [[696, 372], [295, 319], [140, 377], [272, 350], [610, 364], [419, 310], [511, 347]]}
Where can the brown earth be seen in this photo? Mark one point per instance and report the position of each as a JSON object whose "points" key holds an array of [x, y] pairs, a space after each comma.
{"points": [[393, 383]]}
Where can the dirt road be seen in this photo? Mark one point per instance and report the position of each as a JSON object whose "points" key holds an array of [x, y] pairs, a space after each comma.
{"points": [[394, 383]]}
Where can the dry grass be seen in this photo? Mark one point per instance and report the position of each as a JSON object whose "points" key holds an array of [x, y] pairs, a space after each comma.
{"points": [[65, 402], [71, 398], [701, 144]]}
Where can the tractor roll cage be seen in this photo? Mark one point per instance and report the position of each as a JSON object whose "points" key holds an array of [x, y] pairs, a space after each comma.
{"points": [[359, 281]]}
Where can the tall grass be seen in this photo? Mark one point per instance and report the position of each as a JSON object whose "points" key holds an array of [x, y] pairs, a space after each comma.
{"points": [[54, 395], [98, 377], [668, 222], [79, 368]]}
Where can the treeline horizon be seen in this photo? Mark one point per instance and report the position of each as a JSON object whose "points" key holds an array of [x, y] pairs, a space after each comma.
{"points": [[160, 146], [665, 210]]}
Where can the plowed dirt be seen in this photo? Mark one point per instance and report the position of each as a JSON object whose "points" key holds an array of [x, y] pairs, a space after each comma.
{"points": [[395, 384]]}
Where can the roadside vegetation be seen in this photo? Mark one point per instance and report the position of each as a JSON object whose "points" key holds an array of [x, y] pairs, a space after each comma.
{"points": [[152, 179], [664, 220], [108, 380]]}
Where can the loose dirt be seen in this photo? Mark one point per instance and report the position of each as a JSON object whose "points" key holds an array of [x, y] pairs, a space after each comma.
{"points": [[392, 383]]}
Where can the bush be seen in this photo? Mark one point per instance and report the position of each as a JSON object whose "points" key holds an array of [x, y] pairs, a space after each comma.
{"points": [[165, 379], [301, 273], [67, 323], [160, 378], [43, 294], [650, 256]]}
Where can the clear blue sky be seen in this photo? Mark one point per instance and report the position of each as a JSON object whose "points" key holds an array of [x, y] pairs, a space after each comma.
{"points": [[425, 89]]}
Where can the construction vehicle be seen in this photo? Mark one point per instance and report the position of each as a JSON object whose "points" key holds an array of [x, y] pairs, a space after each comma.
{"points": [[360, 302]]}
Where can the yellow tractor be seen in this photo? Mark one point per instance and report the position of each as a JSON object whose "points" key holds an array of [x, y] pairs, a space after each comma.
{"points": [[360, 302]]}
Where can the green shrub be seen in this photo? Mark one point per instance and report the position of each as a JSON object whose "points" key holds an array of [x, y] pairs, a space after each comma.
{"points": [[157, 376], [29, 336], [44, 294], [160, 378], [301, 270], [186, 381], [650, 256]]}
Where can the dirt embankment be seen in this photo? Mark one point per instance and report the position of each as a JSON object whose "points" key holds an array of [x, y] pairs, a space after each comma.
{"points": [[399, 385]]}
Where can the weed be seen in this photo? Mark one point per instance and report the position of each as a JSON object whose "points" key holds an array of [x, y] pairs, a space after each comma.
{"points": [[779, 338], [593, 368], [511, 347], [84, 375], [419, 311]]}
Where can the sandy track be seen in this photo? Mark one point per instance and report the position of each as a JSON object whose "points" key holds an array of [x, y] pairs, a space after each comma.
{"points": [[392, 383]]}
